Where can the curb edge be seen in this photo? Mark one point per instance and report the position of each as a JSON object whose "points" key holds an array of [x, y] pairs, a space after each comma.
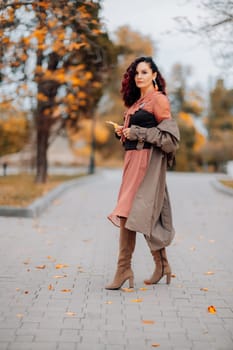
{"points": [[40, 204]]}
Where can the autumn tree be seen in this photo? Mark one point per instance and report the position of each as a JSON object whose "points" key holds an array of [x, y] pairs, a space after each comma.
{"points": [[55, 56], [219, 148], [187, 106], [215, 28], [14, 129]]}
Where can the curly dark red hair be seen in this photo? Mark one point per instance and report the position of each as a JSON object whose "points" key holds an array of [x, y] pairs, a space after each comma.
{"points": [[130, 92]]}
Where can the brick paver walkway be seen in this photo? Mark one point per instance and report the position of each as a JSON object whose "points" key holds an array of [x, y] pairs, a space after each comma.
{"points": [[53, 271]]}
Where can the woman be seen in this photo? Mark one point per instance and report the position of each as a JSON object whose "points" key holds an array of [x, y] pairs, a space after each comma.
{"points": [[150, 138]]}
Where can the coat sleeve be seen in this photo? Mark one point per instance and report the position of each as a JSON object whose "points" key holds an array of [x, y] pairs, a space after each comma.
{"points": [[165, 135]]}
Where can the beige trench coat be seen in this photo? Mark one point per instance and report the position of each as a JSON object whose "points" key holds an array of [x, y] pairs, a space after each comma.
{"points": [[151, 210]]}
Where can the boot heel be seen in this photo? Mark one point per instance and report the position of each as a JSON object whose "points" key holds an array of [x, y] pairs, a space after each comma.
{"points": [[131, 282], [168, 278]]}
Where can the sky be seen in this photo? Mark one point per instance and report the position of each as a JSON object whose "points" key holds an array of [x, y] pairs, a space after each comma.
{"points": [[156, 18]]}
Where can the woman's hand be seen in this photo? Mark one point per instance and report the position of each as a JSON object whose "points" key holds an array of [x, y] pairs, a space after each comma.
{"points": [[119, 130], [126, 132]]}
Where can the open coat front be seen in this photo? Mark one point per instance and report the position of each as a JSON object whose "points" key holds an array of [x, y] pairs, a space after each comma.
{"points": [[151, 210]]}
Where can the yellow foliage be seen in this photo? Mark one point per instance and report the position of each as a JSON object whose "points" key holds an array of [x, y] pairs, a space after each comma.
{"points": [[82, 103], [101, 133], [59, 75], [47, 112], [13, 129], [79, 67], [186, 118], [88, 75], [13, 124], [81, 94], [61, 35], [10, 14], [24, 87], [200, 141], [23, 57], [70, 98], [40, 34], [57, 111], [96, 84], [196, 107], [83, 13], [39, 70], [48, 74], [5, 40], [75, 81], [52, 23], [75, 46], [27, 40], [41, 97], [137, 43], [85, 132], [96, 31], [43, 4]]}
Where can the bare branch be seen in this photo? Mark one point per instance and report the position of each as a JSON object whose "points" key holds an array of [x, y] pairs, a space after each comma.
{"points": [[215, 26]]}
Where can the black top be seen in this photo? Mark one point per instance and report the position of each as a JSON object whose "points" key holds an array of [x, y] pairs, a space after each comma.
{"points": [[144, 119]]}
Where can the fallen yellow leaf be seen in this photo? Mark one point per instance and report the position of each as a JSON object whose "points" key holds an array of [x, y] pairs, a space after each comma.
{"points": [[41, 267], [128, 290], [148, 321], [66, 290], [143, 289], [139, 300], [211, 309], [51, 258], [204, 289], [61, 266], [155, 345], [50, 287], [209, 273], [59, 276], [108, 302], [70, 313], [19, 315]]}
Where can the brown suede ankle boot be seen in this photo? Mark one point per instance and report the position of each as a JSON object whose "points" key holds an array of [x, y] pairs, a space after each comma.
{"points": [[124, 272], [162, 267]]}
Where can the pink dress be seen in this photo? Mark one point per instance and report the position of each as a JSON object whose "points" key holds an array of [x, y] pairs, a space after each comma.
{"points": [[136, 161]]}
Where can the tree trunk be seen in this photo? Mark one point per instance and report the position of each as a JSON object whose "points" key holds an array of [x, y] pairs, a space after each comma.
{"points": [[43, 126], [41, 158]]}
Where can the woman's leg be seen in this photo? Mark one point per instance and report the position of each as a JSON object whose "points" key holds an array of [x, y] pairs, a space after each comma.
{"points": [[127, 241], [162, 267]]}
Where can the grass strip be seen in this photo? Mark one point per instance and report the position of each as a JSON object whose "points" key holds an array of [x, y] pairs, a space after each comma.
{"points": [[228, 183], [21, 190]]}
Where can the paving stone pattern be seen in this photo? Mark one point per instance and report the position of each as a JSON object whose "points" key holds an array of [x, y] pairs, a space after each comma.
{"points": [[45, 308]]}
